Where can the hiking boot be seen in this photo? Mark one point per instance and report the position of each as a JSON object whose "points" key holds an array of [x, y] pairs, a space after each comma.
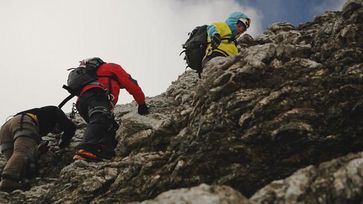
{"points": [[106, 154], [86, 155], [77, 157], [8, 185]]}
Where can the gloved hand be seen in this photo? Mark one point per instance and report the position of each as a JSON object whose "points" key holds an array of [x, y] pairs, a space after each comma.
{"points": [[63, 143], [115, 125], [143, 109], [216, 40], [43, 147]]}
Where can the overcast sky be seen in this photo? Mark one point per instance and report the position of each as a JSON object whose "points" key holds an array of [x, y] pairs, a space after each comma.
{"points": [[40, 39]]}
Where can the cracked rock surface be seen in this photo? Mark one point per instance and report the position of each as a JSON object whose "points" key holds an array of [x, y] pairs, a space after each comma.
{"points": [[279, 123]]}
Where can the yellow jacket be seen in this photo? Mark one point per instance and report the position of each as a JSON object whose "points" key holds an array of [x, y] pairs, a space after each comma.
{"points": [[227, 47]]}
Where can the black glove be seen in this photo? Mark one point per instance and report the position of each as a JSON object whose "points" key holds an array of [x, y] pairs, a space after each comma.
{"points": [[43, 147], [143, 109], [216, 40], [115, 125], [63, 143]]}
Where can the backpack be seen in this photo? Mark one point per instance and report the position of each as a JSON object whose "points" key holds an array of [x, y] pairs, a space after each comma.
{"points": [[195, 48], [81, 76]]}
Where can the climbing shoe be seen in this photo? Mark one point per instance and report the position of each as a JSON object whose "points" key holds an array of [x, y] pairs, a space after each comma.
{"points": [[8, 185], [105, 152], [86, 155]]}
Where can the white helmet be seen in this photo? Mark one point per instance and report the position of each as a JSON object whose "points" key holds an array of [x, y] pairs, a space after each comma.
{"points": [[245, 21]]}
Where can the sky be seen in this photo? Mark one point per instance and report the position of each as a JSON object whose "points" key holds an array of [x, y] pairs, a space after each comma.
{"points": [[41, 39]]}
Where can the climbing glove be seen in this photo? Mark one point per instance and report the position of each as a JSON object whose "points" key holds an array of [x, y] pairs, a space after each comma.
{"points": [[143, 109], [216, 40], [43, 147]]}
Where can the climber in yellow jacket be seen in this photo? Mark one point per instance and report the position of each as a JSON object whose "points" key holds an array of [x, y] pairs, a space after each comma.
{"points": [[222, 35]]}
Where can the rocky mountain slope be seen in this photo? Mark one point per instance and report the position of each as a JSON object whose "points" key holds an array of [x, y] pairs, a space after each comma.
{"points": [[279, 123]]}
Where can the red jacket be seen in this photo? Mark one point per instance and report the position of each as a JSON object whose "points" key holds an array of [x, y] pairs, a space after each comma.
{"points": [[122, 80]]}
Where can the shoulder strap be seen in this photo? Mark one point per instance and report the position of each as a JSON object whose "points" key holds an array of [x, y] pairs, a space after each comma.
{"points": [[65, 100], [110, 77], [223, 52], [229, 37]]}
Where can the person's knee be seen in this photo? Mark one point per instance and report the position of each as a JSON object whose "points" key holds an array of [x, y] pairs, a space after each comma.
{"points": [[25, 145], [100, 114], [28, 132]]}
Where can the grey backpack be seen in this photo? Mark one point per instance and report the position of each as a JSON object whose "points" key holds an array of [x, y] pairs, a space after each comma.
{"points": [[83, 75]]}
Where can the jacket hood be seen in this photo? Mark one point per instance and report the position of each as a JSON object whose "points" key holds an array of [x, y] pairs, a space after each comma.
{"points": [[232, 21]]}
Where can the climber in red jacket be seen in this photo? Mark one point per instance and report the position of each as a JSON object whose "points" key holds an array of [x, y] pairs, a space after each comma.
{"points": [[95, 104]]}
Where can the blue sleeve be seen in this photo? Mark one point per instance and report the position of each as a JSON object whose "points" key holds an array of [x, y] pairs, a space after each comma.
{"points": [[211, 30]]}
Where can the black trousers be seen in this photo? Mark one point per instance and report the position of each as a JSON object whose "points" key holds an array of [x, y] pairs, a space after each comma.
{"points": [[96, 109]]}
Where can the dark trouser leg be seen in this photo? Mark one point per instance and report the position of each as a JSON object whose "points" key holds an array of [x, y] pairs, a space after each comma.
{"points": [[18, 139], [110, 138], [24, 149], [7, 139], [18, 142], [96, 109]]}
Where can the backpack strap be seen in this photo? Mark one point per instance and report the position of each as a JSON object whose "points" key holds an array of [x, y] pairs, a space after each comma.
{"points": [[110, 77], [65, 100], [222, 51], [230, 39]]}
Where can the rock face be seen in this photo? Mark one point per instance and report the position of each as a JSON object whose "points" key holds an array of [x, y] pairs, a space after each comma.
{"points": [[293, 97], [202, 194], [336, 181]]}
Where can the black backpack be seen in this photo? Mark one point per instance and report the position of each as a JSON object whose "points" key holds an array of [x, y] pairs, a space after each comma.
{"points": [[81, 76], [195, 48]]}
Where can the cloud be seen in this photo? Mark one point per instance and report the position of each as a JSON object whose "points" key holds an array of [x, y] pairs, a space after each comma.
{"points": [[208, 11], [43, 38]]}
